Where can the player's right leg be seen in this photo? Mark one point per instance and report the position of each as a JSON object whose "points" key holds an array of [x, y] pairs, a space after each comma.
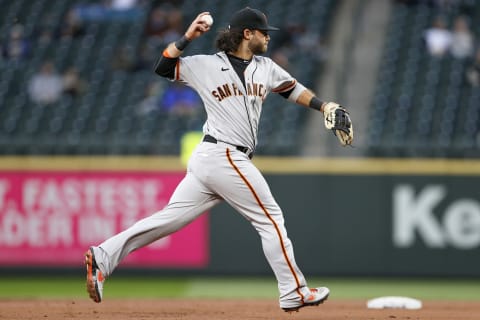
{"points": [[247, 191], [190, 199]]}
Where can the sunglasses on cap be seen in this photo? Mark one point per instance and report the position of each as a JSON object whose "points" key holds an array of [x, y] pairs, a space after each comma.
{"points": [[264, 32]]}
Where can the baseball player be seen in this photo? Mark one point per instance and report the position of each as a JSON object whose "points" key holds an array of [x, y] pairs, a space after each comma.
{"points": [[232, 83]]}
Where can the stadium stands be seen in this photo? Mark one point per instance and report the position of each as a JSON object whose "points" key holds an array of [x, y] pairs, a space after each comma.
{"points": [[424, 105], [104, 119]]}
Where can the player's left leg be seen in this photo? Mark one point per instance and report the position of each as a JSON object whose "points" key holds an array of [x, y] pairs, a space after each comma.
{"points": [[190, 199]]}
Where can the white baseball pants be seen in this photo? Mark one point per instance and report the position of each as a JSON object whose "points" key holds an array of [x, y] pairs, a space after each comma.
{"points": [[217, 172]]}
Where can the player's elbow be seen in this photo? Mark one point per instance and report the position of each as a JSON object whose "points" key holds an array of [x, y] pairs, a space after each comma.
{"points": [[165, 67], [158, 69]]}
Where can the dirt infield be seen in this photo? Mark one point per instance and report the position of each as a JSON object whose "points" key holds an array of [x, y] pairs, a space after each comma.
{"points": [[195, 309]]}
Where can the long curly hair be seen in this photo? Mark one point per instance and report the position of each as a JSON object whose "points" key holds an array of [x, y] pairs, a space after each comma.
{"points": [[228, 40]]}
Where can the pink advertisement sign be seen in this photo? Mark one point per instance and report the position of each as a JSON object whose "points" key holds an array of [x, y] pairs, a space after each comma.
{"points": [[52, 217]]}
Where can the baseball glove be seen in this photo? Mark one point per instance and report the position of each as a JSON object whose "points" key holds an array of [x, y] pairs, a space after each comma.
{"points": [[338, 120]]}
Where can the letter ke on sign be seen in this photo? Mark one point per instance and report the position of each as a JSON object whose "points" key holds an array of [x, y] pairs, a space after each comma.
{"points": [[413, 214]]}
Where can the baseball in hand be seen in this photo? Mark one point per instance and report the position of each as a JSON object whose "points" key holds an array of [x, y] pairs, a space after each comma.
{"points": [[207, 19]]}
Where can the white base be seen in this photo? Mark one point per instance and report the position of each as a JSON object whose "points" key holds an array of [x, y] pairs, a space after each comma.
{"points": [[394, 303]]}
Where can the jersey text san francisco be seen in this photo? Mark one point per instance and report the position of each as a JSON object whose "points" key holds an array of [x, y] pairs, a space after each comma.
{"points": [[231, 89]]}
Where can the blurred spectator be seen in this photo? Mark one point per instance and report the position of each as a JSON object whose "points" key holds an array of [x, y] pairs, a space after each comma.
{"points": [[297, 40], [286, 39], [46, 86], [124, 59], [17, 47], [45, 37], [72, 26], [123, 4], [128, 59], [146, 57], [118, 10], [180, 99], [175, 26], [45, 30], [281, 58], [298, 37], [307, 40], [284, 47], [473, 72], [156, 23], [445, 5], [442, 5], [73, 84], [462, 39], [438, 38], [151, 102], [164, 25]]}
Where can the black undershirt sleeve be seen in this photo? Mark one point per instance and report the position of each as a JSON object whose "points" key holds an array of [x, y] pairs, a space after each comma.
{"points": [[286, 94], [165, 67]]}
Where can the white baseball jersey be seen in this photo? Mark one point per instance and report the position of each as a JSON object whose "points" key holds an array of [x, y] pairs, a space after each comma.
{"points": [[221, 172], [233, 110]]}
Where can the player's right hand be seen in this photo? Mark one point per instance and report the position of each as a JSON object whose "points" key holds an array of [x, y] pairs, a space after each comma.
{"points": [[198, 27]]}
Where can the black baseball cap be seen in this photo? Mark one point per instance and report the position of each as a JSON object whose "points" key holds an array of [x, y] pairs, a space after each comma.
{"points": [[249, 18]]}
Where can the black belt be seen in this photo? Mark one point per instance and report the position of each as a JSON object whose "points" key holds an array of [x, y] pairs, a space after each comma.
{"points": [[209, 138]]}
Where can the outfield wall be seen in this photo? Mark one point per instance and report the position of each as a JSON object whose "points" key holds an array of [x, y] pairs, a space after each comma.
{"points": [[344, 216]]}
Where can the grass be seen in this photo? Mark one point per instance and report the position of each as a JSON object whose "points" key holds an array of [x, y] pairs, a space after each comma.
{"points": [[219, 287], [428, 289]]}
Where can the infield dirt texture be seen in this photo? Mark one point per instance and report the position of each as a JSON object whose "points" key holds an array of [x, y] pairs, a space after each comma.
{"points": [[212, 298], [214, 309]]}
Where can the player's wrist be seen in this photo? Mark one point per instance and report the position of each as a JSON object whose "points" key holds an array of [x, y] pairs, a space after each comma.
{"points": [[316, 104], [183, 42]]}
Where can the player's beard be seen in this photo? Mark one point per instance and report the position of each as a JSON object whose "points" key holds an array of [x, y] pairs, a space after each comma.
{"points": [[258, 47]]}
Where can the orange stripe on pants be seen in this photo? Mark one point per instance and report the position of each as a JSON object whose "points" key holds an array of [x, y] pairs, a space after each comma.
{"points": [[259, 202]]}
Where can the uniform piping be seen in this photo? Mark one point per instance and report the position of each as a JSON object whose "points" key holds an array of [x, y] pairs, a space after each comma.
{"points": [[259, 202]]}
